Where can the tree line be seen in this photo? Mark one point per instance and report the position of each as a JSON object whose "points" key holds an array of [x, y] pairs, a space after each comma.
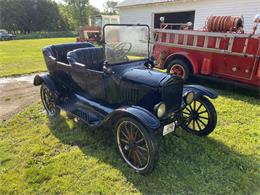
{"points": [[26, 16]]}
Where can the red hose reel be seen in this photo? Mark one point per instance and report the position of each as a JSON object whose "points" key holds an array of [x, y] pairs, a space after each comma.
{"points": [[225, 24]]}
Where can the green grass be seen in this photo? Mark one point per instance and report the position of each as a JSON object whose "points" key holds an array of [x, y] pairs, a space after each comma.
{"points": [[45, 156], [25, 56]]}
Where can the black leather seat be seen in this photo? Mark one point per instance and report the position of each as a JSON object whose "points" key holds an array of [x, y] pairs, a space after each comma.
{"points": [[59, 52], [91, 58]]}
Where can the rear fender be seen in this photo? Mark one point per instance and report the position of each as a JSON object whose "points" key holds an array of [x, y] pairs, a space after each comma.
{"points": [[200, 91], [48, 81], [189, 57], [146, 118]]}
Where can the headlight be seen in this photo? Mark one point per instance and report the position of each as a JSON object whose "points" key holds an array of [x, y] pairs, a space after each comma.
{"points": [[160, 109], [189, 97]]}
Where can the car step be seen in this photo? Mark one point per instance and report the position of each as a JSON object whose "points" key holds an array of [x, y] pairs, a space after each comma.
{"points": [[89, 118], [70, 105]]}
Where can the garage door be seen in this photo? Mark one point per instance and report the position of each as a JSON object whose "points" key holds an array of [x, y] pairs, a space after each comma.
{"points": [[174, 17]]}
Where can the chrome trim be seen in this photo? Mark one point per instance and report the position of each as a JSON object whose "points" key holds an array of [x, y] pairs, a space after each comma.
{"points": [[230, 44], [245, 46], [206, 41], [195, 41], [217, 43], [185, 39]]}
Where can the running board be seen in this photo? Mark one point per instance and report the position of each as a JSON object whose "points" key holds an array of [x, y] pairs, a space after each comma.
{"points": [[87, 110]]}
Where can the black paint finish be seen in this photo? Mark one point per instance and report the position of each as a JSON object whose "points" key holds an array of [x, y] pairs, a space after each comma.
{"points": [[85, 90]]}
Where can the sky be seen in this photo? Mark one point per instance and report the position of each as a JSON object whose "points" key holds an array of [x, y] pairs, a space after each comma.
{"points": [[96, 3]]}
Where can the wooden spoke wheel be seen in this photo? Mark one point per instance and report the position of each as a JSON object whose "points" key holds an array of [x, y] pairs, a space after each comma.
{"points": [[48, 101], [200, 117], [137, 147]]}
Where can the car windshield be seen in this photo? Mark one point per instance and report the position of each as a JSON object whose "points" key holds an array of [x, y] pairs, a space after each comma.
{"points": [[124, 43]]}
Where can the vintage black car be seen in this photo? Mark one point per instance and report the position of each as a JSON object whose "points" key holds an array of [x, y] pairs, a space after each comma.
{"points": [[116, 86]]}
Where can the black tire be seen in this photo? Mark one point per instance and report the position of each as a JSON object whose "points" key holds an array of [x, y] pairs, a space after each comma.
{"points": [[200, 117], [136, 145], [48, 101], [183, 66]]}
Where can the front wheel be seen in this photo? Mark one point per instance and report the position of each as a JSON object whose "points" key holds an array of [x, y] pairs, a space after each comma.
{"points": [[200, 117], [48, 101], [137, 147]]}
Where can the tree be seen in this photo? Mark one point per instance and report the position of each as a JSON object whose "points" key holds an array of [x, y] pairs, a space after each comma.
{"points": [[78, 10], [26, 16], [110, 7], [69, 13]]}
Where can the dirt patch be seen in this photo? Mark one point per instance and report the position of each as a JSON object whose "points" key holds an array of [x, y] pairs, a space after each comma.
{"points": [[15, 94]]}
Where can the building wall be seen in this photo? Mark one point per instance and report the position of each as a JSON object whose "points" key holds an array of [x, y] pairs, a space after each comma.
{"points": [[203, 9]]}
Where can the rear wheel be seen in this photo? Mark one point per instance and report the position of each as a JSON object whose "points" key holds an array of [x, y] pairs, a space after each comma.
{"points": [[180, 68], [48, 101], [137, 147], [200, 117]]}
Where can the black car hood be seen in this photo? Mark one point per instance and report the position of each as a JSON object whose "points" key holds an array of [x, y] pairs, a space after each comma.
{"points": [[147, 77]]}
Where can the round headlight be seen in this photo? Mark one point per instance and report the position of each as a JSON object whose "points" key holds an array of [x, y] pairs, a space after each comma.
{"points": [[189, 97], [160, 109]]}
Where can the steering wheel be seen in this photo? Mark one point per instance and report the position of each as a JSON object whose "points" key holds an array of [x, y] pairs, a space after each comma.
{"points": [[122, 49]]}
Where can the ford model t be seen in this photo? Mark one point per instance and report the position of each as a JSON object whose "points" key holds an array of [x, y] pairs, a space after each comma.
{"points": [[116, 86]]}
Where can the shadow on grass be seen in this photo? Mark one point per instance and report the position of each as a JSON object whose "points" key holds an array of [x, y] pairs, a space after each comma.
{"points": [[187, 164], [231, 91]]}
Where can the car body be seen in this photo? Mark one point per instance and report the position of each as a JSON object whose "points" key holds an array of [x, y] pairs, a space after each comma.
{"points": [[5, 36], [116, 86], [232, 57]]}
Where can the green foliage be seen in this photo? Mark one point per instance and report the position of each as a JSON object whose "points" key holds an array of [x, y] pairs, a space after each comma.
{"points": [[25, 56], [110, 7], [26, 16], [78, 12], [43, 156], [40, 35]]}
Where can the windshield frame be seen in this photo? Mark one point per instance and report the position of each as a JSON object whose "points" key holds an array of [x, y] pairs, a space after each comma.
{"points": [[129, 25]]}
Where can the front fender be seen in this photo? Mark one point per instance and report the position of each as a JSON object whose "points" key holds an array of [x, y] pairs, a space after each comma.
{"points": [[142, 115], [200, 91], [48, 81]]}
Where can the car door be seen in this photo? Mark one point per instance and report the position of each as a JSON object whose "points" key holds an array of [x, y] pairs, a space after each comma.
{"points": [[88, 82]]}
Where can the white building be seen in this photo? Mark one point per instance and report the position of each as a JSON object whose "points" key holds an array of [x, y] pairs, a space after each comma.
{"points": [[195, 11]]}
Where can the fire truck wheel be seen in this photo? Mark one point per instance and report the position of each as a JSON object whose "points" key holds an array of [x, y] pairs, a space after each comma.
{"points": [[180, 68]]}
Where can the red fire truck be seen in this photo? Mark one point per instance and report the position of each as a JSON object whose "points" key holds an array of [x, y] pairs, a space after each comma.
{"points": [[93, 33], [220, 50]]}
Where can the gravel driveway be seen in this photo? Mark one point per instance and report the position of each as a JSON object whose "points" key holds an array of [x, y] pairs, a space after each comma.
{"points": [[15, 94]]}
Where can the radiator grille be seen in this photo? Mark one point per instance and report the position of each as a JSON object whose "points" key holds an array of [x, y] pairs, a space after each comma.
{"points": [[172, 93]]}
